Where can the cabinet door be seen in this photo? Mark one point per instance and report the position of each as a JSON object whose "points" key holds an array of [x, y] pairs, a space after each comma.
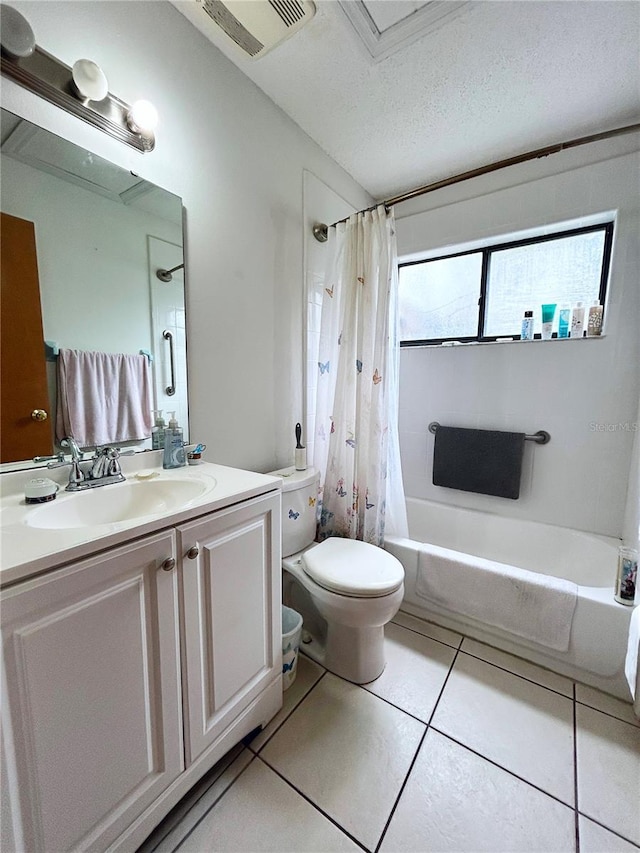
{"points": [[231, 615], [92, 716]]}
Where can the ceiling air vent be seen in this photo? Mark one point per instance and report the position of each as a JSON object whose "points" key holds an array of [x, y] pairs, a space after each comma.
{"points": [[255, 26]]}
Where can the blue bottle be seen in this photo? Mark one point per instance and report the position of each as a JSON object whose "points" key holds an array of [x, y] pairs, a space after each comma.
{"points": [[564, 319]]}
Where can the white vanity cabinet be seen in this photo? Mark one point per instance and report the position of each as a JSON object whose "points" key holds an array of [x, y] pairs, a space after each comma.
{"points": [[91, 716], [128, 674], [231, 596]]}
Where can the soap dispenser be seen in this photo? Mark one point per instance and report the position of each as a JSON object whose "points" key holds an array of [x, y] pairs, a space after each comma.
{"points": [[157, 433], [174, 455]]}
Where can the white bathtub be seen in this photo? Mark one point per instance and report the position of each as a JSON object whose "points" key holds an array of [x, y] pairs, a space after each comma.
{"points": [[600, 627]]}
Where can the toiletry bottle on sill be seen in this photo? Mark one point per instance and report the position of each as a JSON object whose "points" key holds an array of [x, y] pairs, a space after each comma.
{"points": [[548, 314], [577, 320], [564, 319], [527, 326], [594, 323], [174, 455]]}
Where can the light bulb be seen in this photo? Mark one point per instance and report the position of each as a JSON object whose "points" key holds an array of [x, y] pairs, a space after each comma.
{"points": [[89, 80], [143, 118]]}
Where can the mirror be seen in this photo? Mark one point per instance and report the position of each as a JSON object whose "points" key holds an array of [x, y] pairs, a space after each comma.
{"points": [[101, 235]]}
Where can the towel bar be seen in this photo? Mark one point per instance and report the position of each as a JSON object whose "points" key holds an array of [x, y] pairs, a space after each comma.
{"points": [[540, 437]]}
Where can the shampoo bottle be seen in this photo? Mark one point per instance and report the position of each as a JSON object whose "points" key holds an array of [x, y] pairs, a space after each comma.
{"points": [[174, 455], [594, 323], [577, 320], [548, 314], [564, 318], [157, 433], [527, 326]]}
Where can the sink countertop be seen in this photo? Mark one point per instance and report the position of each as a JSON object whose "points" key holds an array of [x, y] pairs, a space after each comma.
{"points": [[26, 550]]}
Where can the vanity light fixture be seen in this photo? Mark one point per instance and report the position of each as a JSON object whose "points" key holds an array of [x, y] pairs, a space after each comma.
{"points": [[82, 90]]}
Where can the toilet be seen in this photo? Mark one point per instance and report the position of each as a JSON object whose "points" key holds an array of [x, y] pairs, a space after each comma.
{"points": [[345, 590]]}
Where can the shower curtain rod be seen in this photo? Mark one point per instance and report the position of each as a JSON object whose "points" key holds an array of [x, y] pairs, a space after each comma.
{"points": [[320, 231]]}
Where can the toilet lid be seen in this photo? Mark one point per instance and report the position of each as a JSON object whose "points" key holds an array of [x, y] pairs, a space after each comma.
{"points": [[354, 568]]}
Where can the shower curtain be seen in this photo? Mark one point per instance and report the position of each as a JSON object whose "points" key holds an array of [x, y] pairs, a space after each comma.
{"points": [[356, 446]]}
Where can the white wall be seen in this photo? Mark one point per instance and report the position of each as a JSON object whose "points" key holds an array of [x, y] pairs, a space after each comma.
{"points": [[579, 391], [237, 162]]}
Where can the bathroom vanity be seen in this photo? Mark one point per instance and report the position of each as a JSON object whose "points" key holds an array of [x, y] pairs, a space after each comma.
{"points": [[141, 641]]}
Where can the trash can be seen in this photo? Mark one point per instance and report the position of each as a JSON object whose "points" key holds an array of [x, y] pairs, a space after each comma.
{"points": [[291, 632]]}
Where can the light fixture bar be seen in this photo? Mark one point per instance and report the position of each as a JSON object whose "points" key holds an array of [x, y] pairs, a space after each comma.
{"points": [[52, 80]]}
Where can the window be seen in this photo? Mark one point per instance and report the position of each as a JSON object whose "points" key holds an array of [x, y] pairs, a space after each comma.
{"points": [[481, 295]]}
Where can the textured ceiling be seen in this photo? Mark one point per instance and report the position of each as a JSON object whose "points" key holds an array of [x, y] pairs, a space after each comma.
{"points": [[497, 79]]}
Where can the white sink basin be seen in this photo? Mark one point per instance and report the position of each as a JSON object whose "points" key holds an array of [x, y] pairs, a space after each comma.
{"points": [[120, 502]]}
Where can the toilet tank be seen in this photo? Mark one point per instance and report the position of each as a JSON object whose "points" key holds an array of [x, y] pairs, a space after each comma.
{"points": [[299, 497]]}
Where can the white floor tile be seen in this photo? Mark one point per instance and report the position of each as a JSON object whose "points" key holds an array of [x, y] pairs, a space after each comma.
{"points": [[261, 812], [596, 839], [456, 801], [307, 673], [521, 726], [606, 703], [429, 629], [415, 672], [198, 802], [609, 771], [349, 752], [519, 666]]}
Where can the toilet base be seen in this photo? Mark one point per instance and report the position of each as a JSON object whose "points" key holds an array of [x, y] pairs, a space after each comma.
{"points": [[356, 655], [354, 652]]}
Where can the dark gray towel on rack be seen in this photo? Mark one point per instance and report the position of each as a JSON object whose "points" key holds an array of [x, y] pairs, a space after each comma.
{"points": [[478, 460]]}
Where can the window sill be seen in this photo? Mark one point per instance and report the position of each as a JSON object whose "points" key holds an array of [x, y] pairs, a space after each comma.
{"points": [[499, 342]]}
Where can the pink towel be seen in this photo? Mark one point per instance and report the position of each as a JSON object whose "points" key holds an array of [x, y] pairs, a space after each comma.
{"points": [[103, 398]]}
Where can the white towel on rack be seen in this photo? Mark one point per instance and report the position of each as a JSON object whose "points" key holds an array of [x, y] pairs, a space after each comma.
{"points": [[631, 669], [103, 398], [530, 605]]}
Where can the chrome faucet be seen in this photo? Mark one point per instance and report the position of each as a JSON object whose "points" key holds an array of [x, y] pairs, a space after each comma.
{"points": [[106, 463], [76, 474], [104, 468]]}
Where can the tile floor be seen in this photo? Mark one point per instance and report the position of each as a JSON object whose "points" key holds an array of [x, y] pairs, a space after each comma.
{"points": [[456, 747]]}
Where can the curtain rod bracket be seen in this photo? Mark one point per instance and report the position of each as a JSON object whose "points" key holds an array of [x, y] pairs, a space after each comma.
{"points": [[321, 232]]}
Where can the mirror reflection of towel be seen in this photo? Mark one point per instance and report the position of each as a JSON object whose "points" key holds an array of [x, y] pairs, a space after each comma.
{"points": [[103, 398]]}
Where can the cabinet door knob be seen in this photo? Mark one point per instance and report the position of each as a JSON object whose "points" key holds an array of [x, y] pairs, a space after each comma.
{"points": [[169, 564], [193, 552], [39, 415]]}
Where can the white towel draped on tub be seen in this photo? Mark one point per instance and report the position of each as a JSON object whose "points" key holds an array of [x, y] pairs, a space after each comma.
{"points": [[537, 607], [103, 398]]}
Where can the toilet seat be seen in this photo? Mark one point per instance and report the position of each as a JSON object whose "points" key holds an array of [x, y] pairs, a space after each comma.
{"points": [[353, 568]]}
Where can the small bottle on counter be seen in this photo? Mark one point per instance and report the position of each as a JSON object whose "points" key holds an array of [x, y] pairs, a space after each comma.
{"points": [[527, 326], [174, 455], [627, 577], [594, 322], [157, 433], [577, 320]]}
